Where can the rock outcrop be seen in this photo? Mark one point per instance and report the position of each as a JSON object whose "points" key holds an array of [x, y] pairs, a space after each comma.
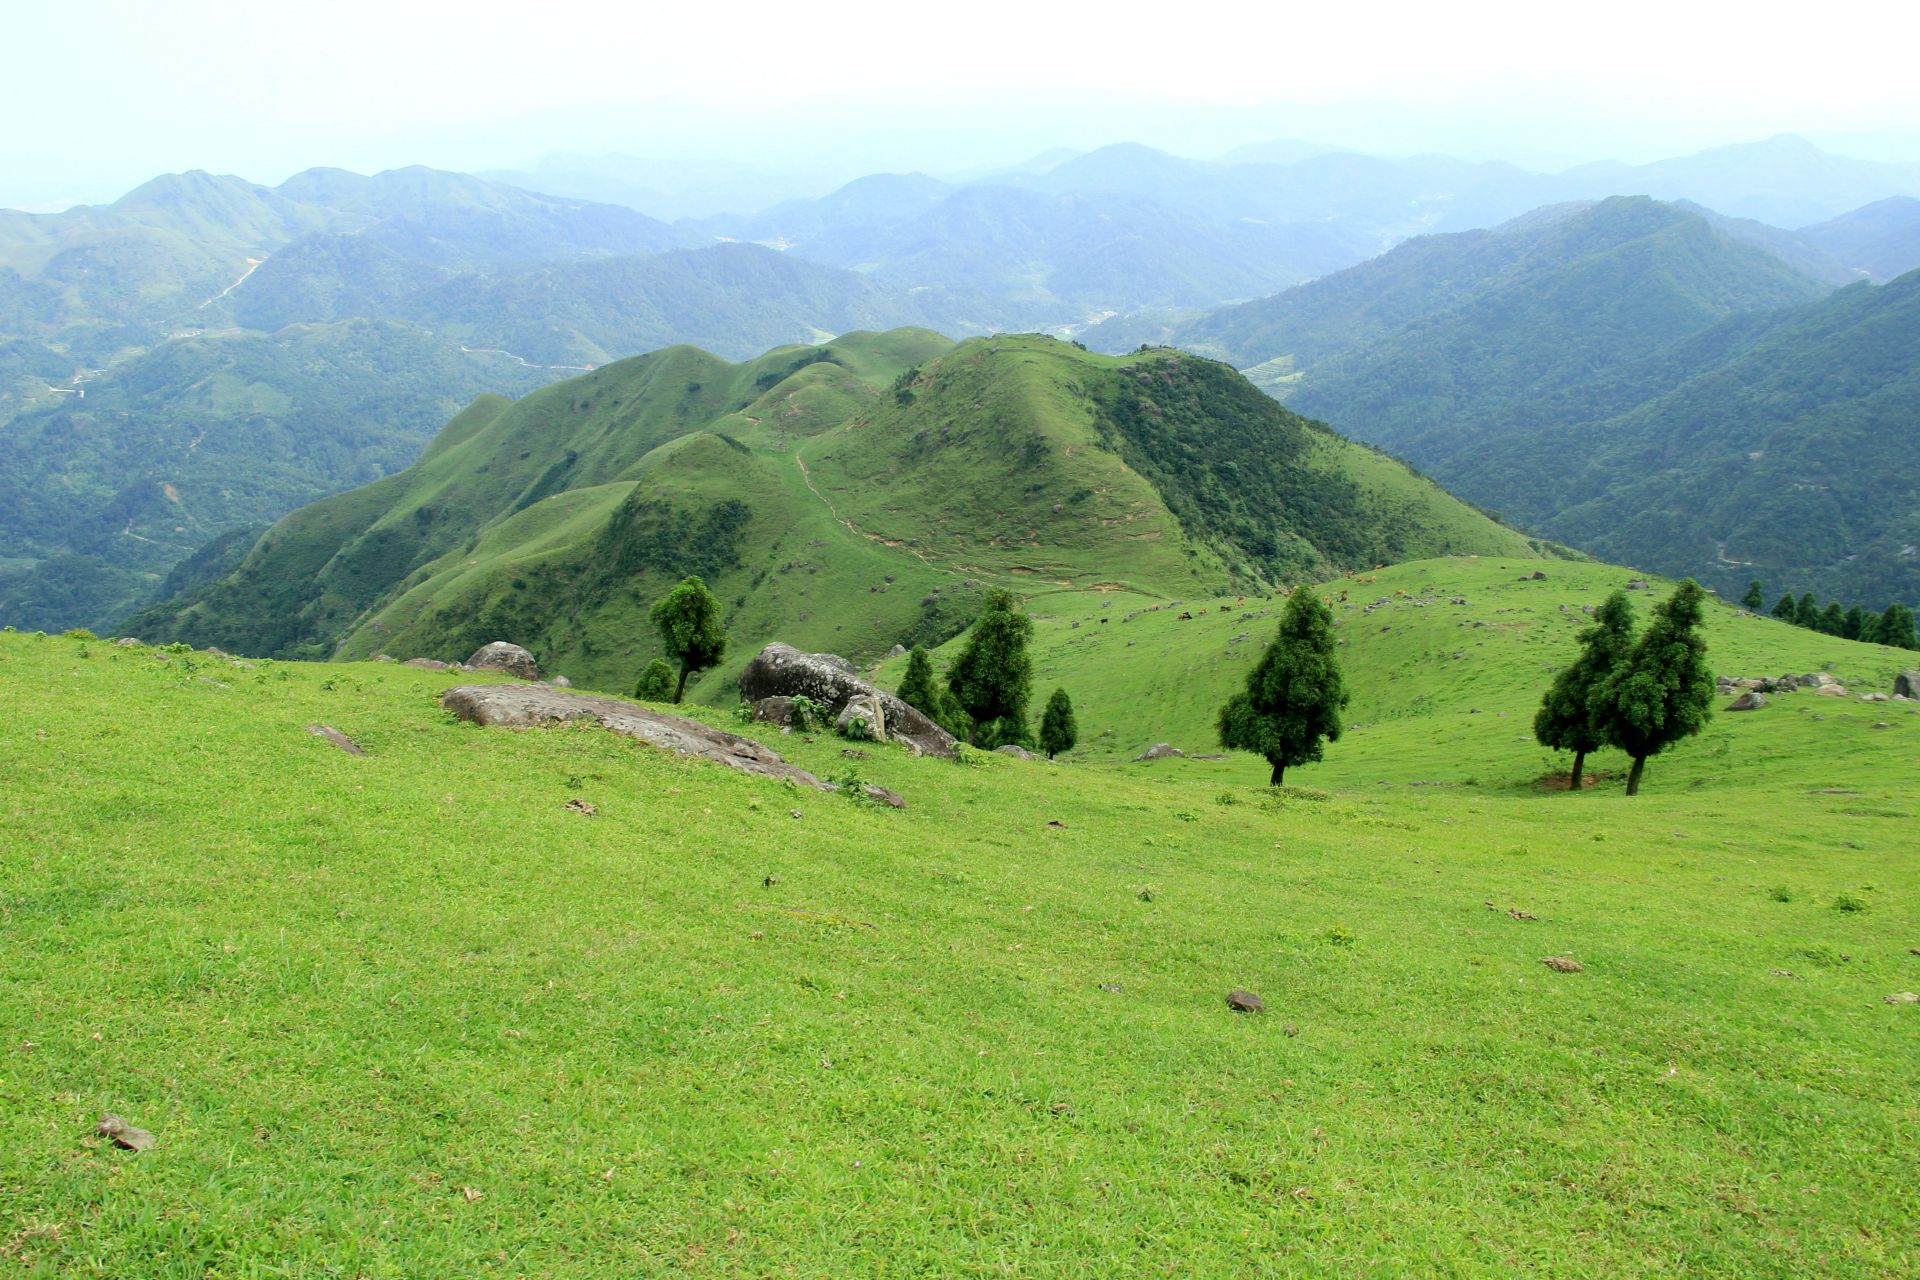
{"points": [[781, 671], [1016, 751], [530, 706], [1159, 751], [1907, 685], [501, 656]]}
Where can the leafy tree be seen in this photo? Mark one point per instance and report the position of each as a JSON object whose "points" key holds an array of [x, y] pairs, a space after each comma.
{"points": [[1058, 732], [1753, 600], [993, 676], [1807, 612], [1291, 705], [917, 690], [1785, 609], [1565, 720], [656, 682], [1833, 619], [1663, 691], [1855, 624], [688, 618], [1896, 628]]}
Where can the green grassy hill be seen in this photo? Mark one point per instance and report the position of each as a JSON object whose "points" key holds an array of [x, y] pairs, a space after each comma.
{"points": [[410, 1014], [846, 497]]}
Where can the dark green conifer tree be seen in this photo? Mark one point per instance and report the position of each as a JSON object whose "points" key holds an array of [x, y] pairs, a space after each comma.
{"points": [[1565, 720], [688, 619], [1058, 732], [1807, 612], [1785, 609], [1856, 623], [1662, 692], [1753, 599], [1291, 704], [916, 687], [1833, 619], [992, 678]]}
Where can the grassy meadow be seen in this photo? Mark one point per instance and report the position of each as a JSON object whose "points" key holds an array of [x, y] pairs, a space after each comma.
{"points": [[409, 1014]]}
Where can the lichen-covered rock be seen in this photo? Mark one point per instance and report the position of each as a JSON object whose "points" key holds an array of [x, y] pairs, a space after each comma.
{"points": [[781, 671], [501, 656], [1907, 685], [1159, 751], [864, 718]]}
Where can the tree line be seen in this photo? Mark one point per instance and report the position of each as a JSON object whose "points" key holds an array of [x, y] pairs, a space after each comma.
{"points": [[1893, 627]]}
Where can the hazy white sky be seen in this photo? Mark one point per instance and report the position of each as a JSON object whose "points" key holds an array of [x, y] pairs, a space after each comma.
{"points": [[100, 94]]}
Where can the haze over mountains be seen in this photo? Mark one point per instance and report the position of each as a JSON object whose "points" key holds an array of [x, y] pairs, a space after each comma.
{"points": [[206, 354]]}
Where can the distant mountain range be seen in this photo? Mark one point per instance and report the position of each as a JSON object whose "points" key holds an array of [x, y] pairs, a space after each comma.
{"points": [[323, 326], [1629, 378]]}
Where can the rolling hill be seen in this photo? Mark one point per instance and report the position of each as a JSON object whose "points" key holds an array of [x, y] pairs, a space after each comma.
{"points": [[846, 496], [480, 992]]}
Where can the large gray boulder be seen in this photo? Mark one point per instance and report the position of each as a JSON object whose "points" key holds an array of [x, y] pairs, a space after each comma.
{"points": [[501, 656], [529, 706], [782, 671], [866, 712], [1907, 685], [1751, 700]]}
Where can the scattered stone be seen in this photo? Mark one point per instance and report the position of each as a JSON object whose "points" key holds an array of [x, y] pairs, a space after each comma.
{"points": [[1056, 824], [1905, 685], [853, 753], [1903, 997], [1292, 1030], [428, 664], [891, 799], [581, 806], [1639, 584], [534, 705], [899, 650], [1751, 700], [383, 657], [1831, 691], [124, 1135], [337, 738], [1245, 1002], [1017, 752], [128, 642], [501, 656], [780, 670], [1113, 988], [1159, 751], [769, 882], [1562, 964], [561, 682], [1786, 973], [795, 812], [1518, 914], [1882, 724]]}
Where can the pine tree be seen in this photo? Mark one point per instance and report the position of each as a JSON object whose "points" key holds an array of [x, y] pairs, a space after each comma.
{"points": [[1896, 628], [1856, 623], [688, 618], [656, 682], [992, 678], [1058, 732], [1291, 704], [1785, 609], [1833, 619], [1565, 720], [1753, 600], [1807, 612], [1662, 692], [917, 688]]}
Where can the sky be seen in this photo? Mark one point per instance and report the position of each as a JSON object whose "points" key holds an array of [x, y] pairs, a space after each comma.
{"points": [[99, 95]]}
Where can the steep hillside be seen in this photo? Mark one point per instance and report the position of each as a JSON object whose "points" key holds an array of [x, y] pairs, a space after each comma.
{"points": [[847, 497], [102, 493], [1881, 239]]}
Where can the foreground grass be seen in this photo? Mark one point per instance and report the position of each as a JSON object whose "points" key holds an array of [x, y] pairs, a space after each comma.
{"points": [[408, 1015]]}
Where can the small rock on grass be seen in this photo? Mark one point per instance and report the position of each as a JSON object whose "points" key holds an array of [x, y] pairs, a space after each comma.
{"points": [[1245, 1002], [337, 738], [1903, 997], [124, 1135], [1562, 964], [582, 806]]}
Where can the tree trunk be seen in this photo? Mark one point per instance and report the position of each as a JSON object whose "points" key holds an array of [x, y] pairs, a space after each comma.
{"points": [[682, 686], [1279, 770], [1633, 778], [1577, 781]]}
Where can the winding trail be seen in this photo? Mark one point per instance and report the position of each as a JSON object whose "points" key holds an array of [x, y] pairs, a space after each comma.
{"points": [[501, 351], [806, 478], [253, 265]]}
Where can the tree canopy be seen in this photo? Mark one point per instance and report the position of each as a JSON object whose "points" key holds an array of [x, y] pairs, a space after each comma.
{"points": [[1566, 719], [1663, 691], [1058, 732], [993, 676], [1291, 705], [688, 618]]}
